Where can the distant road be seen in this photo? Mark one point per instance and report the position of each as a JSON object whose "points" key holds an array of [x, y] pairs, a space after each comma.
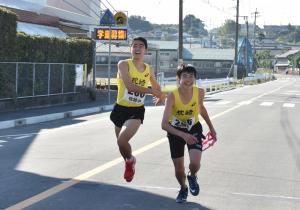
{"points": [[75, 163]]}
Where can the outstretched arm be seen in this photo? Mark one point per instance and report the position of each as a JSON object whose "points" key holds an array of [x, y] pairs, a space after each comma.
{"points": [[204, 114], [156, 86]]}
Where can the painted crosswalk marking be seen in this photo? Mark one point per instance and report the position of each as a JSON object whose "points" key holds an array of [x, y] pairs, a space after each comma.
{"points": [[245, 102], [290, 105], [266, 103]]}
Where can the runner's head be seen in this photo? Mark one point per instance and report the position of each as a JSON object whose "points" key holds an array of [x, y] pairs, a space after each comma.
{"points": [[188, 68], [138, 48], [140, 39]]}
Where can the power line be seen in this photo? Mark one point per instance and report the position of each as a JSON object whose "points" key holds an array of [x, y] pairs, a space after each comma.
{"points": [[111, 5], [72, 5], [215, 7], [89, 7]]}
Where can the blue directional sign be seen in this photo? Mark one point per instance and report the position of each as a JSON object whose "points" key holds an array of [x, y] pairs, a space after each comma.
{"points": [[107, 19]]}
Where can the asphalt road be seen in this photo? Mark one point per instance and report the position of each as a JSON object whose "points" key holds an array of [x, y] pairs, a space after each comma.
{"points": [[75, 163]]}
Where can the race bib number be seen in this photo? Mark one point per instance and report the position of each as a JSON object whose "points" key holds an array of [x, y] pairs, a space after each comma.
{"points": [[134, 97], [180, 124]]}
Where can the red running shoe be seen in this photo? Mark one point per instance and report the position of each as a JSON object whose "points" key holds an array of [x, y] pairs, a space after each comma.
{"points": [[129, 169]]}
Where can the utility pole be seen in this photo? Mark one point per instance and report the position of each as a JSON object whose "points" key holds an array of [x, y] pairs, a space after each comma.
{"points": [[236, 40], [180, 38], [254, 37]]}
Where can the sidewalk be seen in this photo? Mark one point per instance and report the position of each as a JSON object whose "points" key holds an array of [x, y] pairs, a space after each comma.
{"points": [[37, 115]]}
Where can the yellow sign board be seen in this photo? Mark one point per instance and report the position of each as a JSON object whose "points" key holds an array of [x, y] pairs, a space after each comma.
{"points": [[120, 19], [117, 34]]}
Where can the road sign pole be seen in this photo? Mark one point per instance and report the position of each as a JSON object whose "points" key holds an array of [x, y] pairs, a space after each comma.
{"points": [[109, 64]]}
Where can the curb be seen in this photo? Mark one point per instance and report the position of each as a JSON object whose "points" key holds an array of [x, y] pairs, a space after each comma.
{"points": [[50, 117]]}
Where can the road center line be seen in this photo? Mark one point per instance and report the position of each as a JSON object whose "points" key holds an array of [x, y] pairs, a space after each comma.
{"points": [[268, 196], [58, 188]]}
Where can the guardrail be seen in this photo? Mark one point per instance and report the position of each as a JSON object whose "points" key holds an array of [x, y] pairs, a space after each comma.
{"points": [[213, 85]]}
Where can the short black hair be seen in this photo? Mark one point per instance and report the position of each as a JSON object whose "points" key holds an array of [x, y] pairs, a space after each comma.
{"points": [[142, 39], [186, 68]]}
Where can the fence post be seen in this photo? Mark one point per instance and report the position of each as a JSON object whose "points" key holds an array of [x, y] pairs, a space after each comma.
{"points": [[62, 78], [17, 71], [33, 80], [49, 70]]}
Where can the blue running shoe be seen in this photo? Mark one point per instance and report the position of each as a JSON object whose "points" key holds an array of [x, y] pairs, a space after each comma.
{"points": [[194, 186], [182, 195]]}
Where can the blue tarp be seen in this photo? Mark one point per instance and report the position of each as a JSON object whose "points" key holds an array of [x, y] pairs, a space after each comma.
{"points": [[245, 56]]}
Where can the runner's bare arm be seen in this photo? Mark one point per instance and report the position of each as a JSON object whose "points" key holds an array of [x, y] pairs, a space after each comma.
{"points": [[156, 86], [203, 112], [123, 71]]}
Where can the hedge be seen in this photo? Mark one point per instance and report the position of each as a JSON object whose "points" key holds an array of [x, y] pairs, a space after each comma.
{"points": [[8, 29], [20, 47]]}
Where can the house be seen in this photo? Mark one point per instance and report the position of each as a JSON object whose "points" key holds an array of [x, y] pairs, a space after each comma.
{"points": [[55, 17], [283, 61]]}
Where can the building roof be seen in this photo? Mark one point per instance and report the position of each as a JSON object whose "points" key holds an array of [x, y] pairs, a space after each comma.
{"points": [[164, 45], [40, 30], [43, 7], [287, 54], [209, 54]]}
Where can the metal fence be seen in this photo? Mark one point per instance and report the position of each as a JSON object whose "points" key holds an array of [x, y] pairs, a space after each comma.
{"points": [[26, 79]]}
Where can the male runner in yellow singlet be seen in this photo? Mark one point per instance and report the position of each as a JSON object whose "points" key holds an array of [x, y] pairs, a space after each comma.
{"points": [[181, 121], [128, 113]]}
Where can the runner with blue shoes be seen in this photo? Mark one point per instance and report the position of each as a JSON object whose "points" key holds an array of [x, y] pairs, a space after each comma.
{"points": [[181, 121]]}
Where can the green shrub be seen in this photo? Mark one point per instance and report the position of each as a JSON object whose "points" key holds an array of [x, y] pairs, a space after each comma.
{"points": [[8, 28]]}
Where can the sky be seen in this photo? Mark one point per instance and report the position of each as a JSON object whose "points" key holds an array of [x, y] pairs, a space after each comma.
{"points": [[212, 12]]}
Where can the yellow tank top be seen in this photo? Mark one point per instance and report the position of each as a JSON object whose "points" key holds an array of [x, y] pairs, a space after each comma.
{"points": [[185, 115], [132, 99]]}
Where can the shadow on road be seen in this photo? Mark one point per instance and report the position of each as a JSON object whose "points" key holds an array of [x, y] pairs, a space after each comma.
{"points": [[17, 186]]}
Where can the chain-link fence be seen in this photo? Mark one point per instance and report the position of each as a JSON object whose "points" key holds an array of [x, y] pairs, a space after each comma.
{"points": [[24, 79]]}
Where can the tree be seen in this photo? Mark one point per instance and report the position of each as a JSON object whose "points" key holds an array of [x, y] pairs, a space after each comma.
{"points": [[139, 23], [228, 28], [296, 60], [264, 59], [194, 26]]}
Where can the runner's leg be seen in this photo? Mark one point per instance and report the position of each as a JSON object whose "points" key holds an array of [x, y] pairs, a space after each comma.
{"points": [[127, 131], [179, 171], [195, 158], [117, 131]]}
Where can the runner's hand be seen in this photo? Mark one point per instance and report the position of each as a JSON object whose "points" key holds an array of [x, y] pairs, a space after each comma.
{"points": [[189, 138], [159, 100]]}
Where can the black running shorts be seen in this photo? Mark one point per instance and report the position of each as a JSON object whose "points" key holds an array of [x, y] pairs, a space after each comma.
{"points": [[177, 144], [120, 114]]}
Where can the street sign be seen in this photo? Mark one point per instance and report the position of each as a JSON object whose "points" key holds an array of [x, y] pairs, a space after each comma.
{"points": [[117, 34], [120, 19], [107, 19]]}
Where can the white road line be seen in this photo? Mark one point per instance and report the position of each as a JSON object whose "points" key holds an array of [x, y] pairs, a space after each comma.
{"points": [[58, 188], [267, 196], [223, 102], [22, 137], [289, 105], [267, 103], [245, 102]]}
